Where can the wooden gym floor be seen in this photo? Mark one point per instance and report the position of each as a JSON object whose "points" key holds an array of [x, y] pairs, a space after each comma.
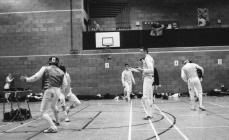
{"points": [[119, 120]]}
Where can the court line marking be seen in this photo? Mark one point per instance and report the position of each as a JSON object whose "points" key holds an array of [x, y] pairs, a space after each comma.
{"points": [[44, 11], [60, 121], [150, 121], [220, 116], [25, 124], [21, 124], [90, 54], [198, 115], [191, 127], [5, 124], [178, 130], [130, 122], [216, 104], [207, 127], [85, 126]]}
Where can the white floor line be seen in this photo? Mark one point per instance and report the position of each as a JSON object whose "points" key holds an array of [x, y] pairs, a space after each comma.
{"points": [[152, 126], [20, 125], [190, 127], [216, 104], [23, 124], [12, 122], [207, 127], [5, 124], [175, 108], [178, 130], [130, 122], [197, 115]]}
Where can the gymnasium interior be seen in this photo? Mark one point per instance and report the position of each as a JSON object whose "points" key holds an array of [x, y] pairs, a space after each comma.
{"points": [[94, 39]]}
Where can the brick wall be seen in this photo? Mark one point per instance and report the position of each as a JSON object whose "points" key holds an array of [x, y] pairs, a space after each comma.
{"points": [[40, 34], [90, 77], [39, 27]]}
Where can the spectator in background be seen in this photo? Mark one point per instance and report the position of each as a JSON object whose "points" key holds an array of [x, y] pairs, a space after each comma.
{"points": [[95, 26], [157, 29], [8, 85], [9, 80], [169, 26]]}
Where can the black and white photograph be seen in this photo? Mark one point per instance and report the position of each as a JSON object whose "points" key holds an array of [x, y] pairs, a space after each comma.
{"points": [[114, 70]]}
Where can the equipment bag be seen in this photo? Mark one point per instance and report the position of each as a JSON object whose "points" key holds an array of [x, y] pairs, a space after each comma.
{"points": [[20, 114]]}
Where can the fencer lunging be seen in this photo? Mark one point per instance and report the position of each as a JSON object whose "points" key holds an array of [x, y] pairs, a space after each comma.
{"points": [[53, 79]]}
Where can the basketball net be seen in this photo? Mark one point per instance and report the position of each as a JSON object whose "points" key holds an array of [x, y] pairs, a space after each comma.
{"points": [[107, 49]]}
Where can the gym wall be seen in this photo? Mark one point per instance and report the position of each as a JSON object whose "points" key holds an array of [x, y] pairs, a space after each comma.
{"points": [[27, 39]]}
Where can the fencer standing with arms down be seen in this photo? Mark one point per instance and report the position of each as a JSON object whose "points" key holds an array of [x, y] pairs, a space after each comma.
{"points": [[53, 78], [127, 81], [148, 79], [190, 76]]}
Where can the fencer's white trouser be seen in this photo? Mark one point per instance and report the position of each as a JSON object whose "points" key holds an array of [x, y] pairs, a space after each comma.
{"points": [[61, 96], [147, 87], [148, 94], [50, 98], [127, 88], [72, 97], [195, 88]]}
